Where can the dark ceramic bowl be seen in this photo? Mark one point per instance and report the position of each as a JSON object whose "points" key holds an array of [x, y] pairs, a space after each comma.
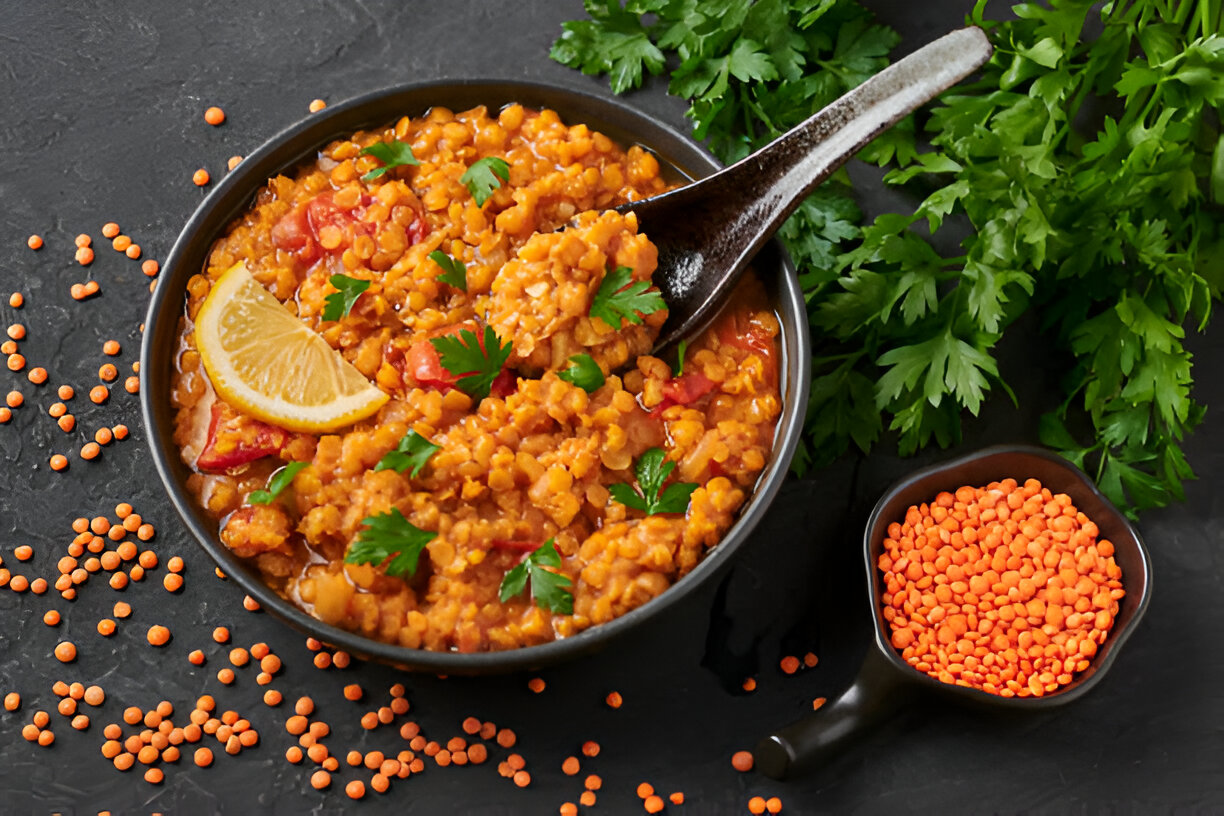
{"points": [[291, 148], [886, 681]]}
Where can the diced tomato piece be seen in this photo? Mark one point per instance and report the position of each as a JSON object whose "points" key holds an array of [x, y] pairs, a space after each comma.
{"points": [[236, 439], [425, 366], [418, 229], [504, 384], [687, 388], [292, 233], [684, 390], [737, 329]]}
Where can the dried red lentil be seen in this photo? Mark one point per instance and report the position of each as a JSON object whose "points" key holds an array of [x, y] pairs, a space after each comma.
{"points": [[1004, 588]]}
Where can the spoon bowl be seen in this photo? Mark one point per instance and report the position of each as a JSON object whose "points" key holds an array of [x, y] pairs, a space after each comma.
{"points": [[707, 232]]}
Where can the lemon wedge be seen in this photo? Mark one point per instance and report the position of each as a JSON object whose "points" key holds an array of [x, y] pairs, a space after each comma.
{"points": [[267, 363]]}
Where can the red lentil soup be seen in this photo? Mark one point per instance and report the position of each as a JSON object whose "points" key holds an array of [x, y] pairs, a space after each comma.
{"points": [[536, 460]]}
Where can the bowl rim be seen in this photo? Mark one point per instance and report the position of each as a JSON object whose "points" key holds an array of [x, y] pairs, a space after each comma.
{"points": [[287, 150], [1118, 525]]}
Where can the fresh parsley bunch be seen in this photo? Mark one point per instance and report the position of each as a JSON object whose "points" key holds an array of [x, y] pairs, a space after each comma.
{"points": [[1091, 170]]}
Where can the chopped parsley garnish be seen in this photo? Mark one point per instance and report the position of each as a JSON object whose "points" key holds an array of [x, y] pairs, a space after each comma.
{"points": [[391, 154], [680, 349], [619, 299], [652, 472], [389, 535], [277, 484], [453, 270], [413, 452], [583, 372], [548, 588], [485, 176], [338, 304], [476, 364]]}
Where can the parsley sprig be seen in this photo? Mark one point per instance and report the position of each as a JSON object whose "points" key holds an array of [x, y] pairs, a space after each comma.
{"points": [[475, 362], [617, 299], [583, 372], [652, 472], [413, 451], [548, 588], [277, 484], [485, 176], [453, 272], [339, 303], [1102, 225], [389, 536], [392, 154]]}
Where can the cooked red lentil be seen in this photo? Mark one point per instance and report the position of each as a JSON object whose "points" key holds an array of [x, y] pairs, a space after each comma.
{"points": [[529, 463]]}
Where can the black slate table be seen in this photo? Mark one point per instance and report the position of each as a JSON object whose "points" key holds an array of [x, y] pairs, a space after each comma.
{"points": [[102, 120]]}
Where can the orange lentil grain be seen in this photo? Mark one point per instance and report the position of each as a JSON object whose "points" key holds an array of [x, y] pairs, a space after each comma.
{"points": [[677, 798], [110, 229], [121, 242], [200, 177], [369, 720], [38, 586], [587, 799], [34, 242], [80, 722], [90, 450], [304, 706], [644, 789], [41, 718], [57, 410], [233, 162], [133, 251], [45, 738], [108, 372], [106, 627], [352, 692], [653, 803], [84, 256], [120, 431], [65, 651], [226, 676], [536, 684], [8, 347], [150, 267], [94, 696], [19, 583], [742, 761], [16, 362], [23, 552], [5, 414], [317, 105], [16, 331], [91, 288], [756, 805], [154, 776], [111, 347], [818, 703], [355, 789], [66, 423], [14, 399], [522, 778], [248, 603], [590, 748], [99, 394], [214, 115], [12, 701], [322, 660], [51, 618], [320, 780], [67, 707], [340, 658], [122, 609], [38, 376], [789, 664], [158, 635], [593, 782], [570, 766], [132, 715]]}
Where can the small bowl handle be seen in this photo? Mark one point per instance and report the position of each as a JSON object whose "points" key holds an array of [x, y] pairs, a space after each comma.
{"points": [[877, 691]]}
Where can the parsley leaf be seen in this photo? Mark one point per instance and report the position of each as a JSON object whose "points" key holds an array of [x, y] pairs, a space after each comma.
{"points": [[391, 154], [619, 299], [413, 451], [485, 176], [614, 42], [277, 484], [389, 535], [476, 363], [680, 349], [583, 372], [454, 271], [548, 588], [338, 304], [652, 471]]}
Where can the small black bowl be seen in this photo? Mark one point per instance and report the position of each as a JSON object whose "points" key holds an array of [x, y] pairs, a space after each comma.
{"points": [[886, 681], [288, 150]]}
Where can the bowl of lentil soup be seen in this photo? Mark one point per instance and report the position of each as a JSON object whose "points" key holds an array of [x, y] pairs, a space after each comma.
{"points": [[697, 464], [1038, 575]]}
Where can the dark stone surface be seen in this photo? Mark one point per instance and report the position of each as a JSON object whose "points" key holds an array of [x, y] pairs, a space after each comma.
{"points": [[102, 121]]}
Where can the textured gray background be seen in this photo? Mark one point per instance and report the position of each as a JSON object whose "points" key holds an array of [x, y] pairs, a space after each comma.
{"points": [[101, 121]]}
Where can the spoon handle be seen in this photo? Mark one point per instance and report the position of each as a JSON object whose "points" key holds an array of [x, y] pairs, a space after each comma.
{"points": [[783, 173]]}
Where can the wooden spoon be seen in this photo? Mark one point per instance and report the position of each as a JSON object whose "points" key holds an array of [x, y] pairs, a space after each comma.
{"points": [[708, 231]]}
